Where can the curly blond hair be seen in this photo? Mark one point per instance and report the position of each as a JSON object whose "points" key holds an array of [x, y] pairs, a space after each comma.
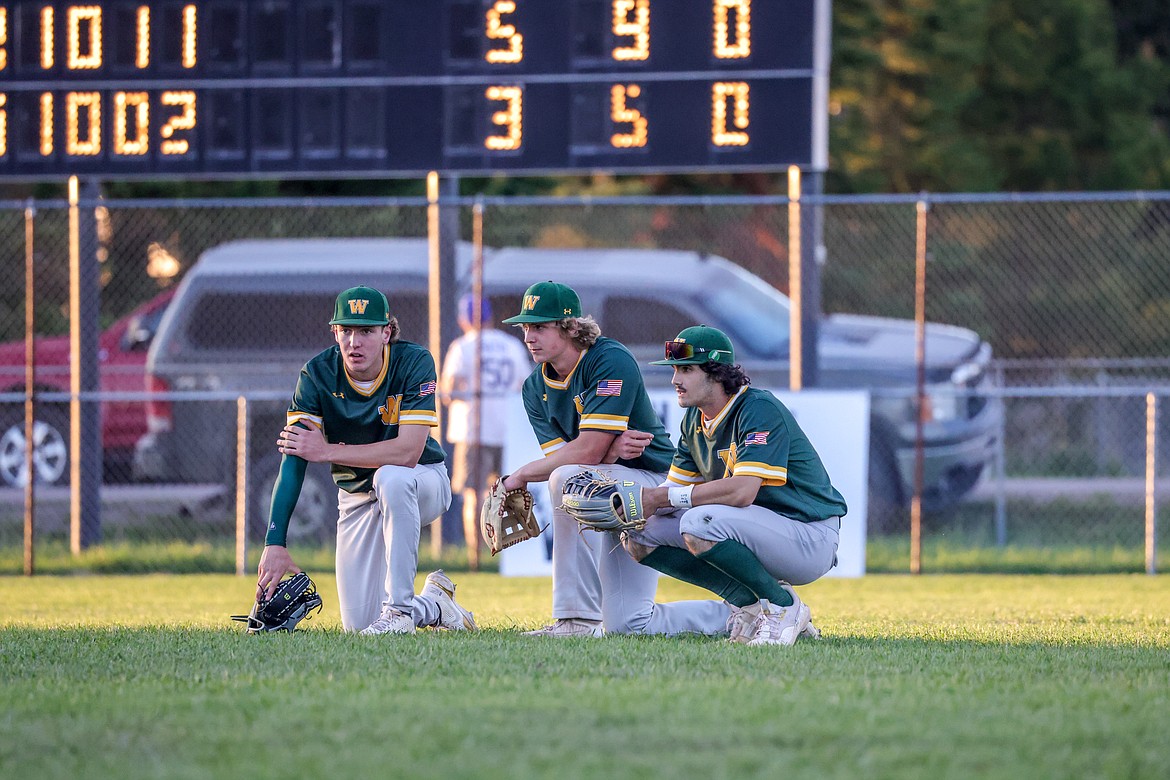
{"points": [[583, 331]]}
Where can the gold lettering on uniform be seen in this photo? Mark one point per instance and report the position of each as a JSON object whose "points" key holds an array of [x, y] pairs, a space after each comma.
{"points": [[358, 305], [728, 458], [530, 302], [577, 402], [389, 412]]}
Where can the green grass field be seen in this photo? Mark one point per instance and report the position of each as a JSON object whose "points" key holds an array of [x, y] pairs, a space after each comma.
{"points": [[918, 677]]}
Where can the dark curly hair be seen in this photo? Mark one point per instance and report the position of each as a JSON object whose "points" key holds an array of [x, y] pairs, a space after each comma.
{"points": [[731, 377]]}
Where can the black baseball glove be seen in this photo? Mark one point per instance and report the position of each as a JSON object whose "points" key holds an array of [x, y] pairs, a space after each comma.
{"points": [[292, 602]]}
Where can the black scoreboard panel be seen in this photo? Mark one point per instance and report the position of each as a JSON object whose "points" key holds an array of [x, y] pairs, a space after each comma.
{"points": [[235, 88]]}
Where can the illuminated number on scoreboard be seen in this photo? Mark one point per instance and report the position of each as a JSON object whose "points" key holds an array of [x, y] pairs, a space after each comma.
{"points": [[3, 125], [189, 32], [631, 19], [3, 38], [622, 113], [737, 94], [142, 39], [84, 54], [509, 118], [733, 42], [178, 122], [498, 31], [83, 108], [124, 103], [47, 124], [47, 38]]}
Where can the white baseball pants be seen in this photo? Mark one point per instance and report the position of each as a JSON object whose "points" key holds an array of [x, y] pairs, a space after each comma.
{"points": [[377, 543], [594, 578]]}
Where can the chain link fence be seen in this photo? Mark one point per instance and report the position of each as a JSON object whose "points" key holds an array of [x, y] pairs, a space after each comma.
{"points": [[1038, 458]]}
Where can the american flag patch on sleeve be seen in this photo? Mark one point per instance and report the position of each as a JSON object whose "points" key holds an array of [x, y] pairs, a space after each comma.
{"points": [[426, 388], [609, 387], [759, 437]]}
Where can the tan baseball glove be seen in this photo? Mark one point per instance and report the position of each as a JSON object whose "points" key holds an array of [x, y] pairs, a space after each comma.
{"points": [[506, 518]]}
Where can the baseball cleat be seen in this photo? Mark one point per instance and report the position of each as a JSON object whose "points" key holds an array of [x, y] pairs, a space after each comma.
{"points": [[391, 621], [569, 627], [809, 631], [439, 588], [780, 625], [741, 626]]}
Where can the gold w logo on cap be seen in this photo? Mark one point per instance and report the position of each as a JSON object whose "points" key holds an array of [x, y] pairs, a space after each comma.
{"points": [[358, 305], [530, 301]]}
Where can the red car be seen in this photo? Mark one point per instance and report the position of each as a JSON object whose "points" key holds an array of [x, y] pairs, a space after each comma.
{"points": [[122, 362]]}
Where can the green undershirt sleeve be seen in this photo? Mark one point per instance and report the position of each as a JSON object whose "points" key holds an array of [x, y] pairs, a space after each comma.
{"points": [[285, 493]]}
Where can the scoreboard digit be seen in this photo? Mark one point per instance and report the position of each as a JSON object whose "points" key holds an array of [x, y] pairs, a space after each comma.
{"points": [[232, 88]]}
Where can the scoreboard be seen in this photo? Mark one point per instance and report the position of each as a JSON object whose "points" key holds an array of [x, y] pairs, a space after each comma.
{"points": [[345, 88]]}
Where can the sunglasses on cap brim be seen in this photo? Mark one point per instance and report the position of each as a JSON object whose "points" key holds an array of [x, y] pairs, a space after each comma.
{"points": [[680, 350]]}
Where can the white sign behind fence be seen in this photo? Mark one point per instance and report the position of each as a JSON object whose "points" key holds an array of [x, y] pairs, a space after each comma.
{"points": [[837, 423]]}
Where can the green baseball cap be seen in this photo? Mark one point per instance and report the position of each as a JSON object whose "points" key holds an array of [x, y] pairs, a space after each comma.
{"points": [[547, 302], [697, 345], [361, 306]]}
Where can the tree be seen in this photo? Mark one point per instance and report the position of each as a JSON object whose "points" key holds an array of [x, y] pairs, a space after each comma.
{"points": [[976, 95]]}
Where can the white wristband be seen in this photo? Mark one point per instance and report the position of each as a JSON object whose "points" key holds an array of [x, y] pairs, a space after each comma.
{"points": [[680, 497]]}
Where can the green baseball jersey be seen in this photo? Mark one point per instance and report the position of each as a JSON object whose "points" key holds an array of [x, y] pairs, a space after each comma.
{"points": [[350, 412], [756, 435], [603, 392]]}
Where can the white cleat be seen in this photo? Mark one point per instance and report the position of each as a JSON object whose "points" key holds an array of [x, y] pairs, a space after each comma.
{"points": [[439, 588], [570, 627], [741, 626], [780, 625], [391, 621], [809, 631]]}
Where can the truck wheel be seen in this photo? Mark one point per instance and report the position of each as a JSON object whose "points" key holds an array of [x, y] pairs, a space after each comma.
{"points": [[50, 448], [314, 520], [888, 513]]}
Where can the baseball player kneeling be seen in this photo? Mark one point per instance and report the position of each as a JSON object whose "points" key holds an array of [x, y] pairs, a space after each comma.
{"points": [[747, 509]]}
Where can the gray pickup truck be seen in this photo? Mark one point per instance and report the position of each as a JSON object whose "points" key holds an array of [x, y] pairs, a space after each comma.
{"points": [[249, 313]]}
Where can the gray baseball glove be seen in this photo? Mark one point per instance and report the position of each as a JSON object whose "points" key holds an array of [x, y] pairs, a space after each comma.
{"points": [[600, 503]]}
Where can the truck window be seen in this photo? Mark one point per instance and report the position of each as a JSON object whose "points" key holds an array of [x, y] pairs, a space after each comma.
{"points": [[635, 319], [284, 322], [756, 319], [254, 321]]}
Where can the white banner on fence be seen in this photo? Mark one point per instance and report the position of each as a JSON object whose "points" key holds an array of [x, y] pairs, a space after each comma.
{"points": [[837, 423]]}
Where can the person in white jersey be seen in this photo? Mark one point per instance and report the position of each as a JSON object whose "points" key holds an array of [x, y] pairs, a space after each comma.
{"points": [[478, 434]]}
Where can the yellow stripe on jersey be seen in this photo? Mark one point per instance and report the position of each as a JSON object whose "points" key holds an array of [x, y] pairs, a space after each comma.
{"points": [[605, 422], [560, 384], [772, 475], [418, 417], [377, 380], [313, 419], [549, 447], [684, 477]]}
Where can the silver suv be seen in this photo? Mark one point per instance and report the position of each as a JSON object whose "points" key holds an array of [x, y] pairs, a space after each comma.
{"points": [[249, 313]]}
